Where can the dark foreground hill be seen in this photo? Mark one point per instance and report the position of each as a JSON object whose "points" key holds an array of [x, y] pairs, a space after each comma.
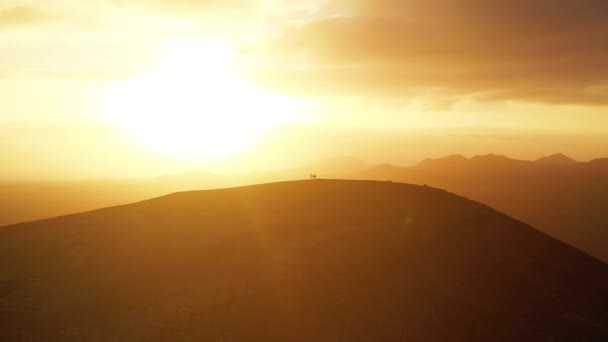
{"points": [[30, 201], [563, 198], [298, 261]]}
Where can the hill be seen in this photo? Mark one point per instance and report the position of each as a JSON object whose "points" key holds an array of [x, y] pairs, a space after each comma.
{"points": [[567, 200], [558, 158], [297, 261], [29, 201]]}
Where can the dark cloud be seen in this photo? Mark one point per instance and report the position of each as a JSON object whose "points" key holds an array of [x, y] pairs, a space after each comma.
{"points": [[553, 51]]}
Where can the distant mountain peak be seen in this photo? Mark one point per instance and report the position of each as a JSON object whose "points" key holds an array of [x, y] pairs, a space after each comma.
{"points": [[454, 157], [441, 162], [557, 158], [491, 157]]}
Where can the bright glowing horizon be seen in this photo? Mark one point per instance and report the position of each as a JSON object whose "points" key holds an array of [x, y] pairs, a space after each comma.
{"points": [[168, 86], [194, 105]]}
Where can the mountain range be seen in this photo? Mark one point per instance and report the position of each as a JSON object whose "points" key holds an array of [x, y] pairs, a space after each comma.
{"points": [[562, 197]]}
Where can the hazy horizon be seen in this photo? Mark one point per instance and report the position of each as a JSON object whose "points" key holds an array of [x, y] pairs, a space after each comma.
{"points": [[111, 89], [71, 158]]}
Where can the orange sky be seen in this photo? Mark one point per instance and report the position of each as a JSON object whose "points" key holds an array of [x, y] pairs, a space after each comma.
{"points": [[120, 88]]}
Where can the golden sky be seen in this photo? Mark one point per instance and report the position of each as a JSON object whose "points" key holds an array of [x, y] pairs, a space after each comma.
{"points": [[113, 88]]}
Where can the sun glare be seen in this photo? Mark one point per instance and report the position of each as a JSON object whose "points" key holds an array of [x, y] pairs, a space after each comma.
{"points": [[194, 105]]}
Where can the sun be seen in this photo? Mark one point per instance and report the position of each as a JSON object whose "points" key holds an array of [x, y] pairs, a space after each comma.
{"points": [[194, 105]]}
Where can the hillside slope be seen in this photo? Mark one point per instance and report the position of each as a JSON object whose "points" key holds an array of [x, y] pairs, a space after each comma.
{"points": [[567, 200], [29, 201], [297, 261]]}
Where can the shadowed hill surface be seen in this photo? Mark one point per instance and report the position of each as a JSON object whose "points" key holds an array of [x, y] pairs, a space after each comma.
{"points": [[29, 201], [567, 200], [297, 261]]}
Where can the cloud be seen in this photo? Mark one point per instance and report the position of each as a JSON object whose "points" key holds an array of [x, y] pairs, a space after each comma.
{"points": [[6, 72], [190, 7], [21, 15], [550, 51], [217, 12]]}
